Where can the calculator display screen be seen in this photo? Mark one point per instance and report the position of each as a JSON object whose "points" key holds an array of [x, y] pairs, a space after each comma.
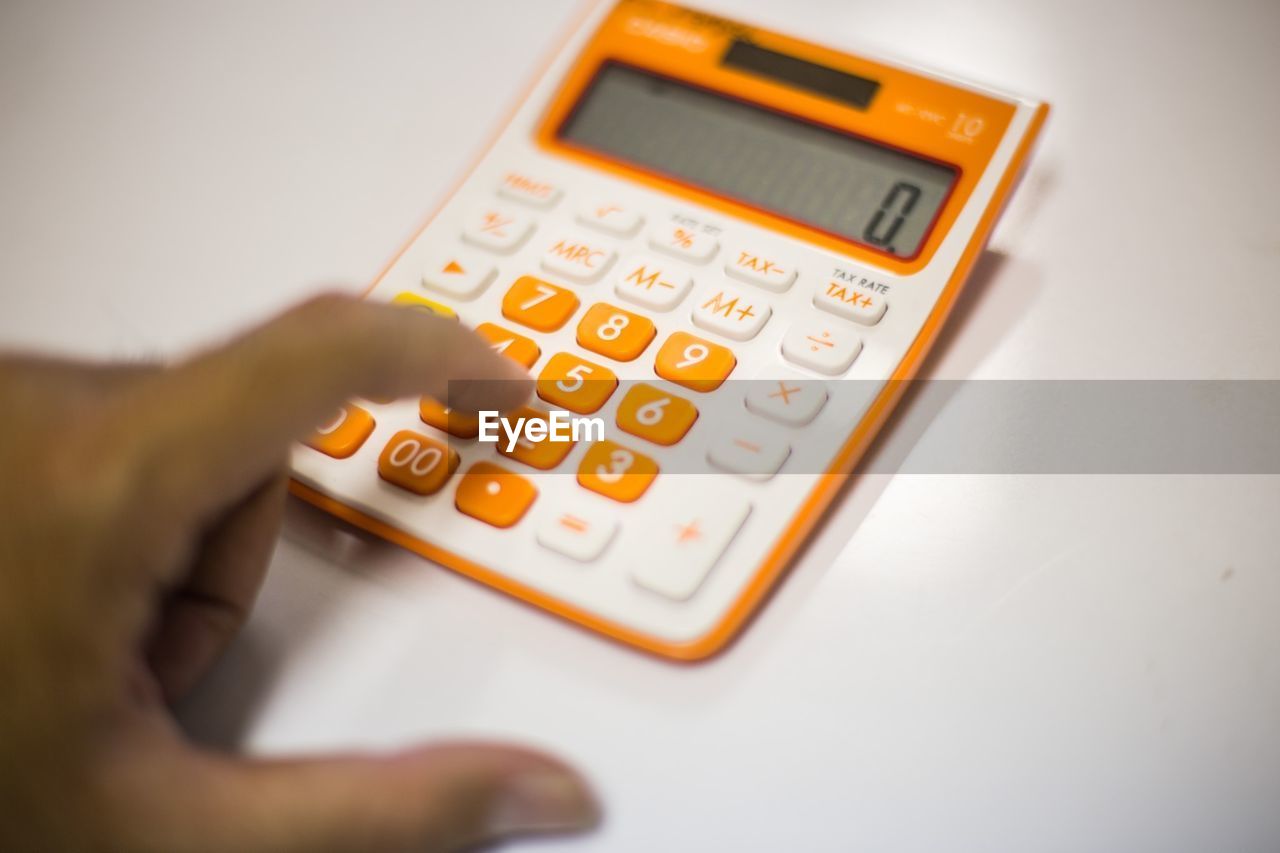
{"points": [[805, 172]]}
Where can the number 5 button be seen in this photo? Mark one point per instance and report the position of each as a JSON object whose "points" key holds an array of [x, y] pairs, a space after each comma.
{"points": [[575, 384], [614, 471], [694, 363], [655, 415]]}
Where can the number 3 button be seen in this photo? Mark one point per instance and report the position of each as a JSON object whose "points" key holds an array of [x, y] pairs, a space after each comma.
{"points": [[575, 384], [614, 471]]}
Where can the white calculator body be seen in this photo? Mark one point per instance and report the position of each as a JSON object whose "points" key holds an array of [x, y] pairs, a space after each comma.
{"points": [[742, 243]]}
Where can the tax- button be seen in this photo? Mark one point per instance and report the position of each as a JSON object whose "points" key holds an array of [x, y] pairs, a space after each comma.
{"points": [[579, 259], [729, 312], [852, 303], [684, 540], [494, 495], [759, 269], [821, 345], [577, 532]]}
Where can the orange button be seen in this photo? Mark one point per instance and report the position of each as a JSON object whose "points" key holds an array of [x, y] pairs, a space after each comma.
{"points": [[544, 454], [614, 471], [518, 348], [655, 415], [436, 414], [614, 333], [538, 304], [494, 495], [417, 463], [575, 384], [343, 433], [694, 363]]}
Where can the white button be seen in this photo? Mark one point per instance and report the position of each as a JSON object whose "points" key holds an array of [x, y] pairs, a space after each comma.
{"points": [[821, 345], [659, 285], [580, 259], [611, 218], [531, 191], [754, 450], [683, 540], [460, 274], [684, 242], [497, 229], [763, 269], [852, 303], [729, 312], [577, 533], [793, 399]]}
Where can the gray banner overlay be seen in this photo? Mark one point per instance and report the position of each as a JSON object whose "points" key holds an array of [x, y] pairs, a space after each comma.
{"points": [[951, 427]]}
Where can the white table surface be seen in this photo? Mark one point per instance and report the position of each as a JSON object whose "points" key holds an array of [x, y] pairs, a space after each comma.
{"points": [[957, 662]]}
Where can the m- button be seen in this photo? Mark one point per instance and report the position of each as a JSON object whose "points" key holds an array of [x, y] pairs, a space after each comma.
{"points": [[580, 259], [762, 270]]}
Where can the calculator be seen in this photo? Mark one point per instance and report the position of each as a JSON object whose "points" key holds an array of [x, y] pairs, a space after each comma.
{"points": [[724, 248]]}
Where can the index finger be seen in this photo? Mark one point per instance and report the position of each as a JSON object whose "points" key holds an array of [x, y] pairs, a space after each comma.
{"points": [[222, 422]]}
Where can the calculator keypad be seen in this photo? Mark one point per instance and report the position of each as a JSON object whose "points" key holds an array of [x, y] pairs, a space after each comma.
{"points": [[681, 310]]}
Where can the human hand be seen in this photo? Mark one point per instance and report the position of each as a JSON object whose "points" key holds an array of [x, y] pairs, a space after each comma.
{"points": [[138, 510]]}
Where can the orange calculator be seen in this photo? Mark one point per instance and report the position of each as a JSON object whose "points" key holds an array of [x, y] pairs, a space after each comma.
{"points": [[719, 250]]}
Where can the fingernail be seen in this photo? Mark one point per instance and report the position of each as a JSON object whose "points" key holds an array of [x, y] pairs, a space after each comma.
{"points": [[545, 801]]}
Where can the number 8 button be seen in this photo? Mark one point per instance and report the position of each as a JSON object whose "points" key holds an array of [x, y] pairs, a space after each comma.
{"points": [[615, 333]]}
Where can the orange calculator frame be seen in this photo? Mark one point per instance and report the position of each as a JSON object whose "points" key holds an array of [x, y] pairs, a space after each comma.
{"points": [[914, 111]]}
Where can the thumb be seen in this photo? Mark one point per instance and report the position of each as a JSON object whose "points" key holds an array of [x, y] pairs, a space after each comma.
{"points": [[436, 798]]}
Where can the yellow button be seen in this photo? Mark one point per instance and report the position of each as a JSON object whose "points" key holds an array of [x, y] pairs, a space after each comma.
{"points": [[615, 333], [343, 433], [416, 462], [518, 348], [538, 304], [544, 454], [440, 416], [413, 300], [694, 363], [614, 471], [575, 384], [655, 415], [494, 495]]}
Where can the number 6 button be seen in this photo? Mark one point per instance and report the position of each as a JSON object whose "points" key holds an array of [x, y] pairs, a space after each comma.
{"points": [[575, 384], [694, 363], [653, 414], [614, 471], [416, 463]]}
